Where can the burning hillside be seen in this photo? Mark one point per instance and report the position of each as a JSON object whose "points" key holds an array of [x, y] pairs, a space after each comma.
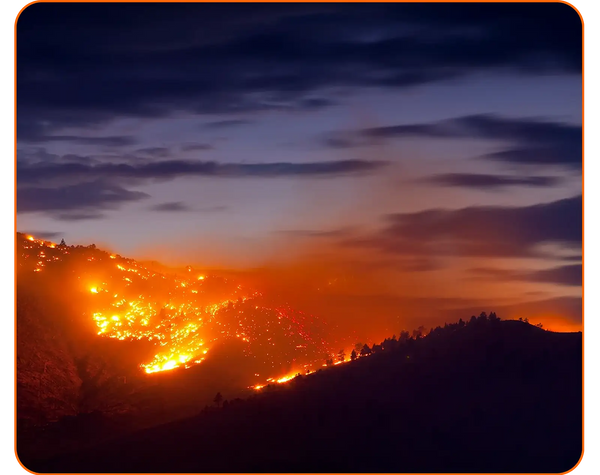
{"points": [[182, 315]]}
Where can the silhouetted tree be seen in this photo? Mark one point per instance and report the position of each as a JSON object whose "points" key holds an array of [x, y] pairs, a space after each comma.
{"points": [[493, 317], [353, 355], [376, 348], [418, 333], [365, 350], [62, 243], [341, 355], [461, 323], [404, 336], [217, 400], [473, 320], [329, 361]]}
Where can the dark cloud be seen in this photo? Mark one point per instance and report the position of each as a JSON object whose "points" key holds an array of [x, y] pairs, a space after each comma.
{"points": [[565, 154], [529, 141], [92, 195], [485, 126], [564, 275], [315, 103], [111, 141], [492, 231], [569, 275], [171, 206], [85, 64], [486, 182], [61, 185], [165, 170], [177, 206]]}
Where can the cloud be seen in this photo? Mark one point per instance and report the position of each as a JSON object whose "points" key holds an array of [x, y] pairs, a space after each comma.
{"points": [[62, 184], [92, 195], [568, 155], [178, 206], [111, 141], [315, 103], [569, 275], [528, 140], [486, 181], [165, 170], [80, 65], [564, 275], [491, 231], [171, 206]]}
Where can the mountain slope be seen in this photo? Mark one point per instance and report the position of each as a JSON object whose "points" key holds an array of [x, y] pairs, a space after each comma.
{"points": [[106, 344], [482, 397]]}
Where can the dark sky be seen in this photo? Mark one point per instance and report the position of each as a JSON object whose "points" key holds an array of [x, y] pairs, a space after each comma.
{"points": [[442, 140]]}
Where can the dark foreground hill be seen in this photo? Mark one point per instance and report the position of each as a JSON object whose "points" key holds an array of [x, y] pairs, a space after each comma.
{"points": [[483, 397]]}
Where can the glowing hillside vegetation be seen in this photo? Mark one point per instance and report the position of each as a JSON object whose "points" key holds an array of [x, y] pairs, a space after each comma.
{"points": [[182, 314]]}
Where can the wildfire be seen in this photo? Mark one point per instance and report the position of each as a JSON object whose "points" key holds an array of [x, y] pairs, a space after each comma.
{"points": [[280, 380], [179, 314]]}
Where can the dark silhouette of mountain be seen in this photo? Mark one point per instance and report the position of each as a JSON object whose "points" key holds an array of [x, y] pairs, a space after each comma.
{"points": [[482, 396]]}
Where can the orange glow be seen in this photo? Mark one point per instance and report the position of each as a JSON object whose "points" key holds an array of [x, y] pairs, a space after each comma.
{"points": [[185, 316], [285, 379], [179, 315]]}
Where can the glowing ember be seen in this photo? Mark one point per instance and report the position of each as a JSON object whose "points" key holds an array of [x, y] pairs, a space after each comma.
{"points": [[183, 316]]}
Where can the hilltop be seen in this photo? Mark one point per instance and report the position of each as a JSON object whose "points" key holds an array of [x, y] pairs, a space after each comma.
{"points": [[482, 396]]}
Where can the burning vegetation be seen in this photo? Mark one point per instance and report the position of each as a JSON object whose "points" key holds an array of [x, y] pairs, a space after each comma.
{"points": [[181, 314]]}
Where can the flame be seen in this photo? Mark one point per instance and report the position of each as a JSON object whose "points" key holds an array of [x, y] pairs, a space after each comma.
{"points": [[285, 379], [176, 314]]}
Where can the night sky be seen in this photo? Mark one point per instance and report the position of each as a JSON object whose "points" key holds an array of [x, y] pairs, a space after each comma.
{"points": [[415, 151]]}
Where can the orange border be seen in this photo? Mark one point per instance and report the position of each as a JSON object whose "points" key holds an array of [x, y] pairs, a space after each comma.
{"points": [[320, 1]]}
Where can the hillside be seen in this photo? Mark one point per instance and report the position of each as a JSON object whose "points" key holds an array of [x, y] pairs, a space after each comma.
{"points": [[106, 343], [486, 396]]}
